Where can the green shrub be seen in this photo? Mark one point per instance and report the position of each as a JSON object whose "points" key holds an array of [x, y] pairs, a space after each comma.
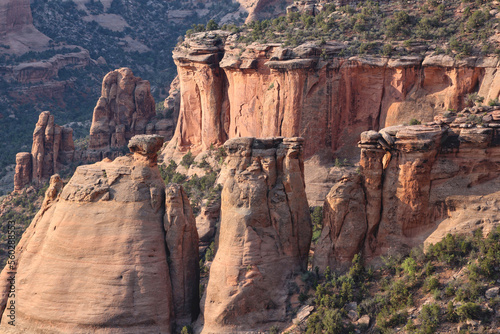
{"points": [[469, 311], [187, 159], [429, 319]]}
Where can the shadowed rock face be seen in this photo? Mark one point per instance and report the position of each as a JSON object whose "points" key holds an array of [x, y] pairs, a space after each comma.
{"points": [[264, 239], [94, 258], [417, 184], [182, 242]]}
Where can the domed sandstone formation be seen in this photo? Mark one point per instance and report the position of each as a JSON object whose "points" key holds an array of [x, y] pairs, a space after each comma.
{"points": [[94, 258]]}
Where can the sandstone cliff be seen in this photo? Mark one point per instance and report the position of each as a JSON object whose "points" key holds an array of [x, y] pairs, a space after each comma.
{"points": [[52, 147], [94, 258], [126, 108], [264, 236], [417, 184], [231, 90], [16, 27]]}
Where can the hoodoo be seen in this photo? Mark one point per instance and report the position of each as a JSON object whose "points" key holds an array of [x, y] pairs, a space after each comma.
{"points": [[265, 233]]}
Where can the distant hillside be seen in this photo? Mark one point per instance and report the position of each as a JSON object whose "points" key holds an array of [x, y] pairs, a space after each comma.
{"points": [[105, 34]]}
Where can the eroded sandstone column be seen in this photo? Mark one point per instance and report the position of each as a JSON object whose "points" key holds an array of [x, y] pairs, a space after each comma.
{"points": [[22, 177], [52, 145], [182, 242], [264, 237], [94, 258]]}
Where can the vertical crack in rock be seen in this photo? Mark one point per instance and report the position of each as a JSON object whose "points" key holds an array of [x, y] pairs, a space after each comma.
{"points": [[182, 242]]}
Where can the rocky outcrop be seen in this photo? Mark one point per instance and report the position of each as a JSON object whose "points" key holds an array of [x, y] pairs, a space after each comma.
{"points": [[417, 184], [14, 15], [126, 108], [123, 110], [52, 148], [182, 241], [23, 174], [94, 258], [263, 9], [173, 102], [16, 27], [229, 90], [45, 70], [264, 236], [308, 7]]}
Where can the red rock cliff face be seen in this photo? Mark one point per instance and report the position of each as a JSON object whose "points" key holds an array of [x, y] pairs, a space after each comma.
{"points": [[229, 91], [417, 184]]}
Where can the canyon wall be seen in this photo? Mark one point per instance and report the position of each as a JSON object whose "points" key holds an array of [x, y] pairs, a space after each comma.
{"points": [[231, 90], [14, 15], [264, 238], [416, 184], [94, 259], [16, 28]]}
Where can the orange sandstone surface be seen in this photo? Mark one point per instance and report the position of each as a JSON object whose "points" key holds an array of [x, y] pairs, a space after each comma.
{"points": [[229, 90]]}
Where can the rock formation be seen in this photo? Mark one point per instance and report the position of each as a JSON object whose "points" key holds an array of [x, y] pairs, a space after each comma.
{"points": [[182, 242], [229, 90], [44, 71], [52, 147], [263, 9], [23, 174], [16, 27], [94, 258], [417, 184], [14, 15], [125, 108], [264, 236]]}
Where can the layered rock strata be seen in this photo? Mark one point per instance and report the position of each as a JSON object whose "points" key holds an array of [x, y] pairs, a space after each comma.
{"points": [[182, 242], [229, 90], [264, 236], [52, 148], [126, 108], [94, 258], [417, 184]]}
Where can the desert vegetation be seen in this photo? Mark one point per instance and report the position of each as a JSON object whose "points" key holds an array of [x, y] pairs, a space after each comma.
{"points": [[451, 287]]}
